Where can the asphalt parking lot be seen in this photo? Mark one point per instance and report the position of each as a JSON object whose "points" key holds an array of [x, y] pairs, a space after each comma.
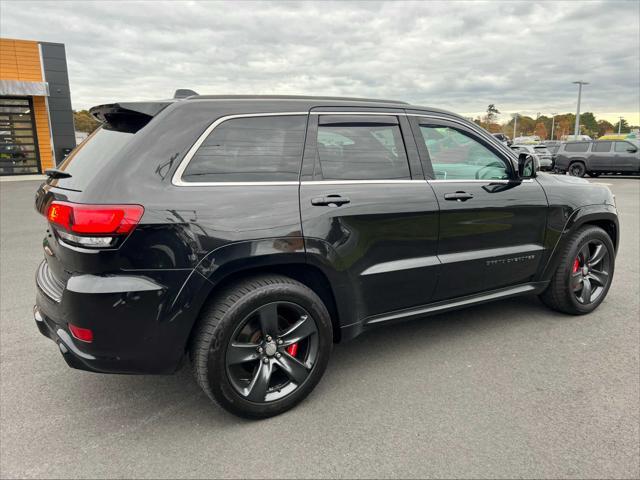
{"points": [[508, 389]]}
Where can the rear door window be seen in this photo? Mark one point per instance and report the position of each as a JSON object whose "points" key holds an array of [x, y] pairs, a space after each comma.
{"points": [[250, 149], [576, 147], [601, 147], [361, 148]]}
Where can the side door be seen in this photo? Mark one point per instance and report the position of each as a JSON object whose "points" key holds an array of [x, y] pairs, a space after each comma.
{"points": [[367, 211], [601, 158], [626, 157], [492, 225]]}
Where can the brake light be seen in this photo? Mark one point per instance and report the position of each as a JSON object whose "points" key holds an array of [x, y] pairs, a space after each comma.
{"points": [[82, 334], [96, 226], [100, 219]]}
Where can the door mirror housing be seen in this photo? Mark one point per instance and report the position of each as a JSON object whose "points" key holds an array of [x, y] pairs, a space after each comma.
{"points": [[528, 165]]}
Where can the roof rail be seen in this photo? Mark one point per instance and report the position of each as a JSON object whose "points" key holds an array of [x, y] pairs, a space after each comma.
{"points": [[293, 97]]}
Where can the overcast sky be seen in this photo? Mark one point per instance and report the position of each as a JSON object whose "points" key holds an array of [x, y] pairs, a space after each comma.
{"points": [[521, 56]]}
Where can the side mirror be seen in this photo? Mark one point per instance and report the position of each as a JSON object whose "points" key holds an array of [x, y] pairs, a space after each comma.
{"points": [[528, 165]]}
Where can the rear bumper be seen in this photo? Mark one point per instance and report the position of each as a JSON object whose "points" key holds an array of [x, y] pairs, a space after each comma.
{"points": [[134, 328], [74, 357]]}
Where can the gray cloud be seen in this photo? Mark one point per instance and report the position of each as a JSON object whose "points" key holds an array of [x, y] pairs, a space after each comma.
{"points": [[461, 56]]}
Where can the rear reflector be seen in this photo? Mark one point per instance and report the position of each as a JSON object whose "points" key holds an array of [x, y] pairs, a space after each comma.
{"points": [[82, 334], [95, 219]]}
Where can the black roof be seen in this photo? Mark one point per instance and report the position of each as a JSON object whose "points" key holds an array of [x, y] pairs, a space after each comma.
{"points": [[242, 102], [304, 98]]}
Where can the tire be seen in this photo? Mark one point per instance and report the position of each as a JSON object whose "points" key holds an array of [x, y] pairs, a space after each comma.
{"points": [[577, 169], [217, 333], [560, 295]]}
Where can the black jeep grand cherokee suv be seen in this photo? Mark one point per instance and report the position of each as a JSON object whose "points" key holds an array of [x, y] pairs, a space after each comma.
{"points": [[250, 233]]}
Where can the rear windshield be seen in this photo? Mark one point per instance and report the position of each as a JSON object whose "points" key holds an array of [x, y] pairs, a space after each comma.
{"points": [[86, 160]]}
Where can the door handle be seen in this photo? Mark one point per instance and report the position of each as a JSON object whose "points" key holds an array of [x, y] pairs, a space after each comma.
{"points": [[330, 201], [458, 196]]}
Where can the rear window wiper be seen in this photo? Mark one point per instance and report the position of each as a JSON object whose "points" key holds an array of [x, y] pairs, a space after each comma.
{"points": [[56, 173]]}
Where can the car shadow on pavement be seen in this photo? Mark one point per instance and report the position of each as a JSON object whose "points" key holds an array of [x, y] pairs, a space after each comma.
{"points": [[177, 398]]}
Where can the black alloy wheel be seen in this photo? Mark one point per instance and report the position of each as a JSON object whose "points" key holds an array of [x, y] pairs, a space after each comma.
{"points": [[261, 345], [590, 273], [585, 272], [577, 169], [272, 351]]}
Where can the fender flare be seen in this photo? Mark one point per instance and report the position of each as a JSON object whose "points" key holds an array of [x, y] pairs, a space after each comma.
{"points": [[235, 258], [581, 216]]}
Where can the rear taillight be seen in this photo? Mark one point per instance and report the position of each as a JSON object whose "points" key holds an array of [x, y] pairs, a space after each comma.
{"points": [[93, 225]]}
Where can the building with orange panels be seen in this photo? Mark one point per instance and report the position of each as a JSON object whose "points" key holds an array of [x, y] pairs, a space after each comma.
{"points": [[36, 119]]}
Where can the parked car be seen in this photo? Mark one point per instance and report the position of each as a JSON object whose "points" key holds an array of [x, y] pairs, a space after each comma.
{"points": [[544, 156], [576, 138], [553, 146], [249, 234], [527, 140], [503, 138], [599, 157]]}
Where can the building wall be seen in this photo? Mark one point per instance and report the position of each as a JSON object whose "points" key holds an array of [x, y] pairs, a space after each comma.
{"points": [[20, 60], [41, 118], [54, 64], [26, 60]]}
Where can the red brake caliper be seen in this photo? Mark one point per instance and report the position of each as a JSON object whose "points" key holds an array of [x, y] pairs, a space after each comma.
{"points": [[576, 265], [292, 349]]}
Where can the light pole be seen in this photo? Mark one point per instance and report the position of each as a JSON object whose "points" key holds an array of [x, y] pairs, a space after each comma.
{"points": [[553, 123], [619, 125], [576, 131], [515, 124]]}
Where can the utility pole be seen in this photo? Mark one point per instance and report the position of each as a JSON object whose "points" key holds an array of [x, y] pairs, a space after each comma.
{"points": [[576, 131], [515, 124], [553, 123], [619, 125]]}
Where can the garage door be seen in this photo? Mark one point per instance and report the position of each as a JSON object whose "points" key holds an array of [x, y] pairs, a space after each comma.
{"points": [[18, 147]]}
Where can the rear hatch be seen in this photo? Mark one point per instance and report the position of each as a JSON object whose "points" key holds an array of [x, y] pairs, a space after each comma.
{"points": [[542, 151], [120, 122], [82, 236]]}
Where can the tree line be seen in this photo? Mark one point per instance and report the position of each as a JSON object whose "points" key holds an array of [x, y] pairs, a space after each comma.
{"points": [[541, 125], [526, 125], [84, 122]]}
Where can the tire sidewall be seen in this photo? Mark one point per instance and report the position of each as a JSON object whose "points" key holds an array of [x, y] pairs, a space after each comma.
{"points": [[567, 266], [581, 166], [219, 383]]}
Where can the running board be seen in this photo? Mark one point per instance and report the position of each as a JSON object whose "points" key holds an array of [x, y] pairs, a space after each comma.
{"points": [[456, 303]]}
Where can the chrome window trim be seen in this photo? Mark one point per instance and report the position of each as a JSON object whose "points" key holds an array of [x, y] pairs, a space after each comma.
{"points": [[176, 179], [356, 182], [388, 114], [524, 180], [235, 184], [177, 176]]}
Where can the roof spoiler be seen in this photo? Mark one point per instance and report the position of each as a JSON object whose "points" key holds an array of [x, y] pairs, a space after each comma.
{"points": [[150, 109], [127, 117]]}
